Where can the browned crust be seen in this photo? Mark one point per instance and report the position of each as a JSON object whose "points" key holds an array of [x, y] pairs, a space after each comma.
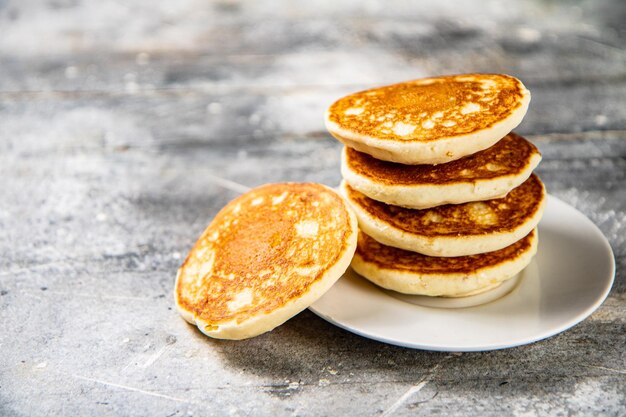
{"points": [[508, 157], [500, 215], [387, 257], [415, 102], [262, 239]]}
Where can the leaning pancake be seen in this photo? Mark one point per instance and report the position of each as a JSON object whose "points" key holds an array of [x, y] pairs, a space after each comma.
{"points": [[452, 229], [431, 120], [412, 273], [265, 257], [488, 174]]}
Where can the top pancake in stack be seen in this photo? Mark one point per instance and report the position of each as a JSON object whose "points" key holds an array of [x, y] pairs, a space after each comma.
{"points": [[432, 120], [419, 156]]}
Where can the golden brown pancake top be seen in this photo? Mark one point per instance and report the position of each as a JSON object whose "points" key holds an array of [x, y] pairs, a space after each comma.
{"points": [[387, 257], [262, 250], [430, 108], [509, 156], [476, 218]]}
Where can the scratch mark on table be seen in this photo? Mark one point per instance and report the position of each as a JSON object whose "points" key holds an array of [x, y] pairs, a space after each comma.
{"points": [[415, 388], [97, 296], [604, 368], [133, 389], [228, 184], [156, 356], [61, 263], [412, 390], [603, 44]]}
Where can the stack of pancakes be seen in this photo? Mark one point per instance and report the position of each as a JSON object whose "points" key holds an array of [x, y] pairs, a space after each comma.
{"points": [[443, 191]]}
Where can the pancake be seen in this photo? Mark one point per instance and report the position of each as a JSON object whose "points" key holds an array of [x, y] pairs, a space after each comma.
{"points": [[266, 256], [487, 174], [452, 229], [431, 120], [412, 273]]}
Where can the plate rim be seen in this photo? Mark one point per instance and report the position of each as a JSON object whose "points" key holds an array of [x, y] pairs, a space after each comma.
{"points": [[567, 324]]}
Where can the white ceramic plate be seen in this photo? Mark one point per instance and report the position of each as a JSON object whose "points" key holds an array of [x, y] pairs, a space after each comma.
{"points": [[569, 278]]}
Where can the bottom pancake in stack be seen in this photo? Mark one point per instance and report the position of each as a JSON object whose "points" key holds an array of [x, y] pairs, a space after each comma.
{"points": [[413, 273]]}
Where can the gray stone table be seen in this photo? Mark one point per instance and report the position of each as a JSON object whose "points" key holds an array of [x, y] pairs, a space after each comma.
{"points": [[125, 126]]}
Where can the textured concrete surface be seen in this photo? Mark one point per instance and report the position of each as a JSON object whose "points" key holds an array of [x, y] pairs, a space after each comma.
{"points": [[124, 128]]}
